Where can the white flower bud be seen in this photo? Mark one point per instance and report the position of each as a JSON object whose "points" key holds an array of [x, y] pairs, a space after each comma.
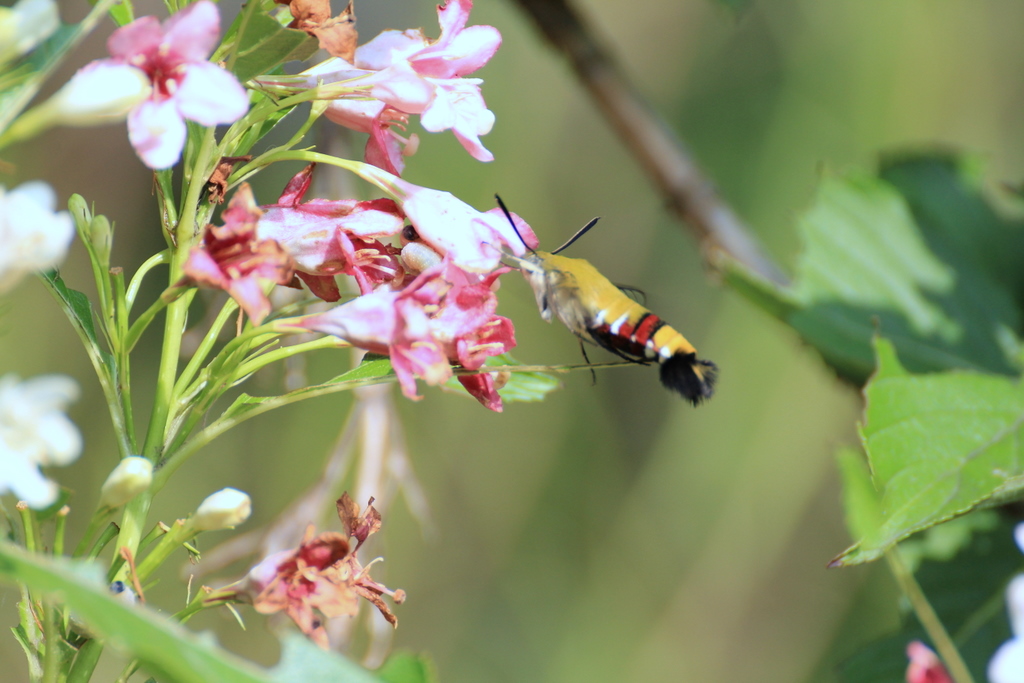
{"points": [[132, 476], [223, 510], [100, 92]]}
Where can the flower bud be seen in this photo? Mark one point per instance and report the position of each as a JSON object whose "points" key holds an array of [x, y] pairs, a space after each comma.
{"points": [[223, 510], [131, 477], [98, 93]]}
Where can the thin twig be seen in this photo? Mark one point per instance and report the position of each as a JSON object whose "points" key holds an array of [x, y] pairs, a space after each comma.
{"points": [[689, 194]]}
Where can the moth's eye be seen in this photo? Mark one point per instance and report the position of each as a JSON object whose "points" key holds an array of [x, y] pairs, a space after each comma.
{"points": [[409, 233]]}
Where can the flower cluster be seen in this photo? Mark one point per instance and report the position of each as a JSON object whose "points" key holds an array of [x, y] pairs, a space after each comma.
{"points": [[425, 313], [401, 73], [157, 74], [323, 575]]}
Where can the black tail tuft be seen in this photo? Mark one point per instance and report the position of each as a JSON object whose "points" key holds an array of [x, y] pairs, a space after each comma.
{"points": [[693, 379]]}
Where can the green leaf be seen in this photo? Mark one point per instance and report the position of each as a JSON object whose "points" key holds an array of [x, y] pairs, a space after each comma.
{"points": [[371, 371], [896, 255], [267, 45], [945, 195], [939, 445], [861, 502], [303, 661], [164, 648], [78, 309], [967, 593], [405, 667]]}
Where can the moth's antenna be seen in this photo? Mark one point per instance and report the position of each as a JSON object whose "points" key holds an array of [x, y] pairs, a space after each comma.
{"points": [[579, 233], [508, 215]]}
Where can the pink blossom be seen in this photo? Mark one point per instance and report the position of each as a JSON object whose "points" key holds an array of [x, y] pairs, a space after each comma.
{"points": [[925, 666], [407, 73], [332, 237], [185, 86], [235, 259], [445, 315], [322, 575]]}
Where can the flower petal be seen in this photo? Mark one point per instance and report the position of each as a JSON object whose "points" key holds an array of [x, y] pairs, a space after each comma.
{"points": [[192, 33], [481, 387], [469, 51], [210, 95], [139, 38], [157, 132], [388, 47]]}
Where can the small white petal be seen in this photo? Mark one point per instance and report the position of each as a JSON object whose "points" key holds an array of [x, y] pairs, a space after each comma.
{"points": [[1007, 666]]}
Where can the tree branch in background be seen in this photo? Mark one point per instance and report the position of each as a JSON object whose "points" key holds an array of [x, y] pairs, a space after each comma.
{"points": [[690, 195]]}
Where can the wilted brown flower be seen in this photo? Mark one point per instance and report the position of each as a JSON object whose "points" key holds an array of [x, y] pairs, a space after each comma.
{"points": [[322, 575]]}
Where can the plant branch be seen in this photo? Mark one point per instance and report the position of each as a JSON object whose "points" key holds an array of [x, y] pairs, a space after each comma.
{"points": [[690, 195]]}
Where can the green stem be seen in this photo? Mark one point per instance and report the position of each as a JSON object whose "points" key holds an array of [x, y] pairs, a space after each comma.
{"points": [[132, 522], [99, 518], [28, 525], [123, 367], [189, 373], [357, 167], [109, 533], [85, 662], [59, 527], [253, 364], [180, 532], [929, 619], [51, 656], [141, 323], [140, 275]]}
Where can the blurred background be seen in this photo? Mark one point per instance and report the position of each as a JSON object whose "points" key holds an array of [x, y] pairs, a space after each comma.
{"points": [[611, 533]]}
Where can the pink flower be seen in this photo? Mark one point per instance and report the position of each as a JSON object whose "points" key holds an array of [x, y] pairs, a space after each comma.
{"points": [[185, 86], [234, 259], [407, 73], [332, 237], [303, 580], [445, 315], [925, 666], [472, 240], [322, 575]]}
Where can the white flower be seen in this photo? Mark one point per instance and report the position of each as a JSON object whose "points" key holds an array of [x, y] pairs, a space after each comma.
{"points": [[1007, 665], [223, 510], [33, 236], [35, 432], [25, 25], [132, 476]]}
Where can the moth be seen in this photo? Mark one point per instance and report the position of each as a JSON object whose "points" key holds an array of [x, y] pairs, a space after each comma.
{"points": [[597, 311]]}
